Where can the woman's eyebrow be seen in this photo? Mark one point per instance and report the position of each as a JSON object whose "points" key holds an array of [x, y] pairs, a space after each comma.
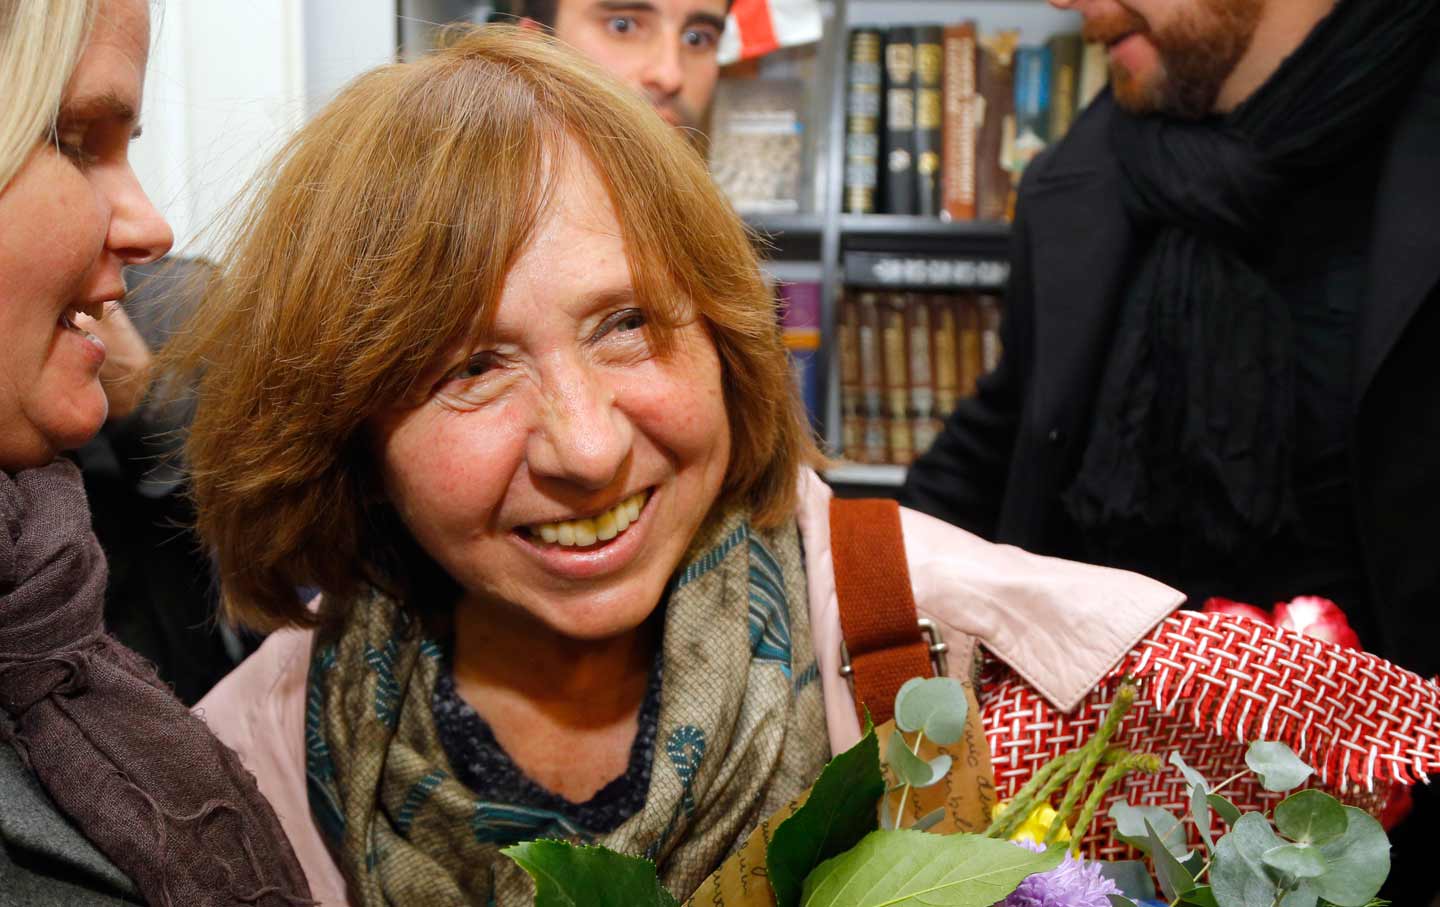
{"points": [[105, 105]]}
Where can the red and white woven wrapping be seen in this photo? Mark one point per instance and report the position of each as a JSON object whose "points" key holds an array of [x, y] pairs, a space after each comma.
{"points": [[1209, 685], [756, 27]]}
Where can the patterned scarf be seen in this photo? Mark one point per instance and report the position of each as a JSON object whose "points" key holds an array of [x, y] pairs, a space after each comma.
{"points": [[741, 733]]}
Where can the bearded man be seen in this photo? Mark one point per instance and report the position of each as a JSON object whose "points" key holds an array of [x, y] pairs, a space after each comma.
{"points": [[1223, 324]]}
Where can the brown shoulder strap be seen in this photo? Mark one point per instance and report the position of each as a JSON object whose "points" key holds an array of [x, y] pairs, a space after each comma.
{"points": [[877, 609]]}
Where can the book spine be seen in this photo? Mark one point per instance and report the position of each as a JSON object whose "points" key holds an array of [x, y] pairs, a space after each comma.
{"points": [[958, 133], [852, 435], [1064, 83], [945, 354], [800, 328], [989, 323], [923, 425], [972, 356], [862, 122], [896, 369], [1094, 73], [1032, 106], [929, 106], [872, 382], [996, 147], [900, 121]]}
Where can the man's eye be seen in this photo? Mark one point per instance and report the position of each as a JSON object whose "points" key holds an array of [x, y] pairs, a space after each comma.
{"points": [[701, 38], [622, 25]]}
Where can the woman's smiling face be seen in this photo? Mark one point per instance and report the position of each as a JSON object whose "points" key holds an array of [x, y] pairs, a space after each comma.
{"points": [[69, 220], [522, 472]]}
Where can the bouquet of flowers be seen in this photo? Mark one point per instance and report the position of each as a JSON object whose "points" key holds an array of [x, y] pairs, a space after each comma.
{"points": [[845, 847]]}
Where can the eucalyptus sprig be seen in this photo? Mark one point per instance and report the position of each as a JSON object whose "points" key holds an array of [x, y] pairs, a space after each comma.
{"points": [[1312, 851]]}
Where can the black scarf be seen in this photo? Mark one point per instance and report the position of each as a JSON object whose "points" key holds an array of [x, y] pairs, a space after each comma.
{"points": [[144, 779], [1194, 427]]}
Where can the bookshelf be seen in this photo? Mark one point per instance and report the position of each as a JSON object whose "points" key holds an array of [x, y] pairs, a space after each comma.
{"points": [[885, 251]]}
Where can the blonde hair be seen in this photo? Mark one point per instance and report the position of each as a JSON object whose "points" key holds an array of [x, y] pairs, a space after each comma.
{"points": [[40, 42], [380, 237]]}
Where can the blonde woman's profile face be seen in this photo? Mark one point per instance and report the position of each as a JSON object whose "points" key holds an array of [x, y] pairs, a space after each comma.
{"points": [[69, 220], [559, 470]]}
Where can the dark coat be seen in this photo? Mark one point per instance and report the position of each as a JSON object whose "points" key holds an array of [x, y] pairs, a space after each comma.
{"points": [[1003, 459], [44, 860]]}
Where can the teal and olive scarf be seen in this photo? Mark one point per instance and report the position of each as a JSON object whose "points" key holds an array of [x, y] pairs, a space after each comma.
{"points": [[741, 733]]}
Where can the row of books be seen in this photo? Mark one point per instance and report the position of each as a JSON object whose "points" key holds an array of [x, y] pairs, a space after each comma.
{"points": [[941, 120], [906, 361]]}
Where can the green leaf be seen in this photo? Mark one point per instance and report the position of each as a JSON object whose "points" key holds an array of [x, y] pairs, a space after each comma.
{"points": [[1358, 861], [838, 813], [916, 869], [935, 705], [1192, 777], [1130, 828], [1227, 810], [1175, 879], [1310, 817], [1295, 861], [1200, 812], [569, 876], [1277, 766], [1132, 877], [1238, 876], [1200, 896], [1302, 896], [1118, 901], [910, 768]]}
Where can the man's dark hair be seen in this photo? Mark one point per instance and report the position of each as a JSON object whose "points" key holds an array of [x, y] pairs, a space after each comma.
{"points": [[543, 11]]}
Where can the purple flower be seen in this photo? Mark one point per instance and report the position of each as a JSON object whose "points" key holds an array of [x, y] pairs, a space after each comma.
{"points": [[1074, 883]]}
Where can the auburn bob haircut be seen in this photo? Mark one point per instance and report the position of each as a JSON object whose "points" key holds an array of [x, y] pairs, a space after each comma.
{"points": [[379, 238]]}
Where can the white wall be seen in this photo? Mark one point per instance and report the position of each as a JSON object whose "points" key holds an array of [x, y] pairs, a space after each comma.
{"points": [[229, 82]]}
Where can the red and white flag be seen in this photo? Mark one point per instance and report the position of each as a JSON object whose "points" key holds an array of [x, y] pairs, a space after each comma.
{"points": [[756, 27]]}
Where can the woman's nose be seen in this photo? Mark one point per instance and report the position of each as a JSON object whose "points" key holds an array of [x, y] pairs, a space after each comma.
{"points": [[582, 436], [138, 232]]}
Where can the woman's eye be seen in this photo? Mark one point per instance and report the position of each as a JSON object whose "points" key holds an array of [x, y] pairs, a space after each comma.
{"points": [[474, 367], [74, 147], [622, 321]]}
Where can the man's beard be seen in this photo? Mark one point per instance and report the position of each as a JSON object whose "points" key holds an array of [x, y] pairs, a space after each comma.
{"points": [[1197, 51], [676, 112]]}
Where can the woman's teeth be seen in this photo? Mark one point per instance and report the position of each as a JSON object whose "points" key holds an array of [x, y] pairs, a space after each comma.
{"points": [[604, 527]]}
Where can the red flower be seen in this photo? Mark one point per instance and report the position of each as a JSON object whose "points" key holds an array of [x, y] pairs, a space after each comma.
{"points": [[1307, 614], [1318, 617], [1226, 606]]}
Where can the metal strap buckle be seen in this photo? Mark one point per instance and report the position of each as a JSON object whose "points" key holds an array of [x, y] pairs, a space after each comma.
{"points": [[937, 647]]}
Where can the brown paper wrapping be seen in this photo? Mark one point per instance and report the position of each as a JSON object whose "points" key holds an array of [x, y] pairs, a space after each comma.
{"points": [[966, 793]]}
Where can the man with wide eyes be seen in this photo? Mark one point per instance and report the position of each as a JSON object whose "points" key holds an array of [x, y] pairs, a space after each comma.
{"points": [[664, 48]]}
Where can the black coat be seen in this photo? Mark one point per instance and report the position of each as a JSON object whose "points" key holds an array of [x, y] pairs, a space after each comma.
{"points": [[1003, 459]]}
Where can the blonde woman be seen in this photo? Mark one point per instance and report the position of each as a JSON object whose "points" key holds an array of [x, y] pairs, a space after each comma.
{"points": [[110, 792], [491, 363]]}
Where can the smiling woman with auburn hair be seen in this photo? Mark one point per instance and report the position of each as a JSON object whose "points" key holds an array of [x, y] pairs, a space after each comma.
{"points": [[491, 364]]}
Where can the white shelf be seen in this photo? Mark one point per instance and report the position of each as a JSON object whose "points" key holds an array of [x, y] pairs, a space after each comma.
{"points": [[866, 474]]}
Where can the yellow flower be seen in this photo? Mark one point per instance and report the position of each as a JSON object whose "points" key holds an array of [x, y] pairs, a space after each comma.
{"points": [[1036, 825]]}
